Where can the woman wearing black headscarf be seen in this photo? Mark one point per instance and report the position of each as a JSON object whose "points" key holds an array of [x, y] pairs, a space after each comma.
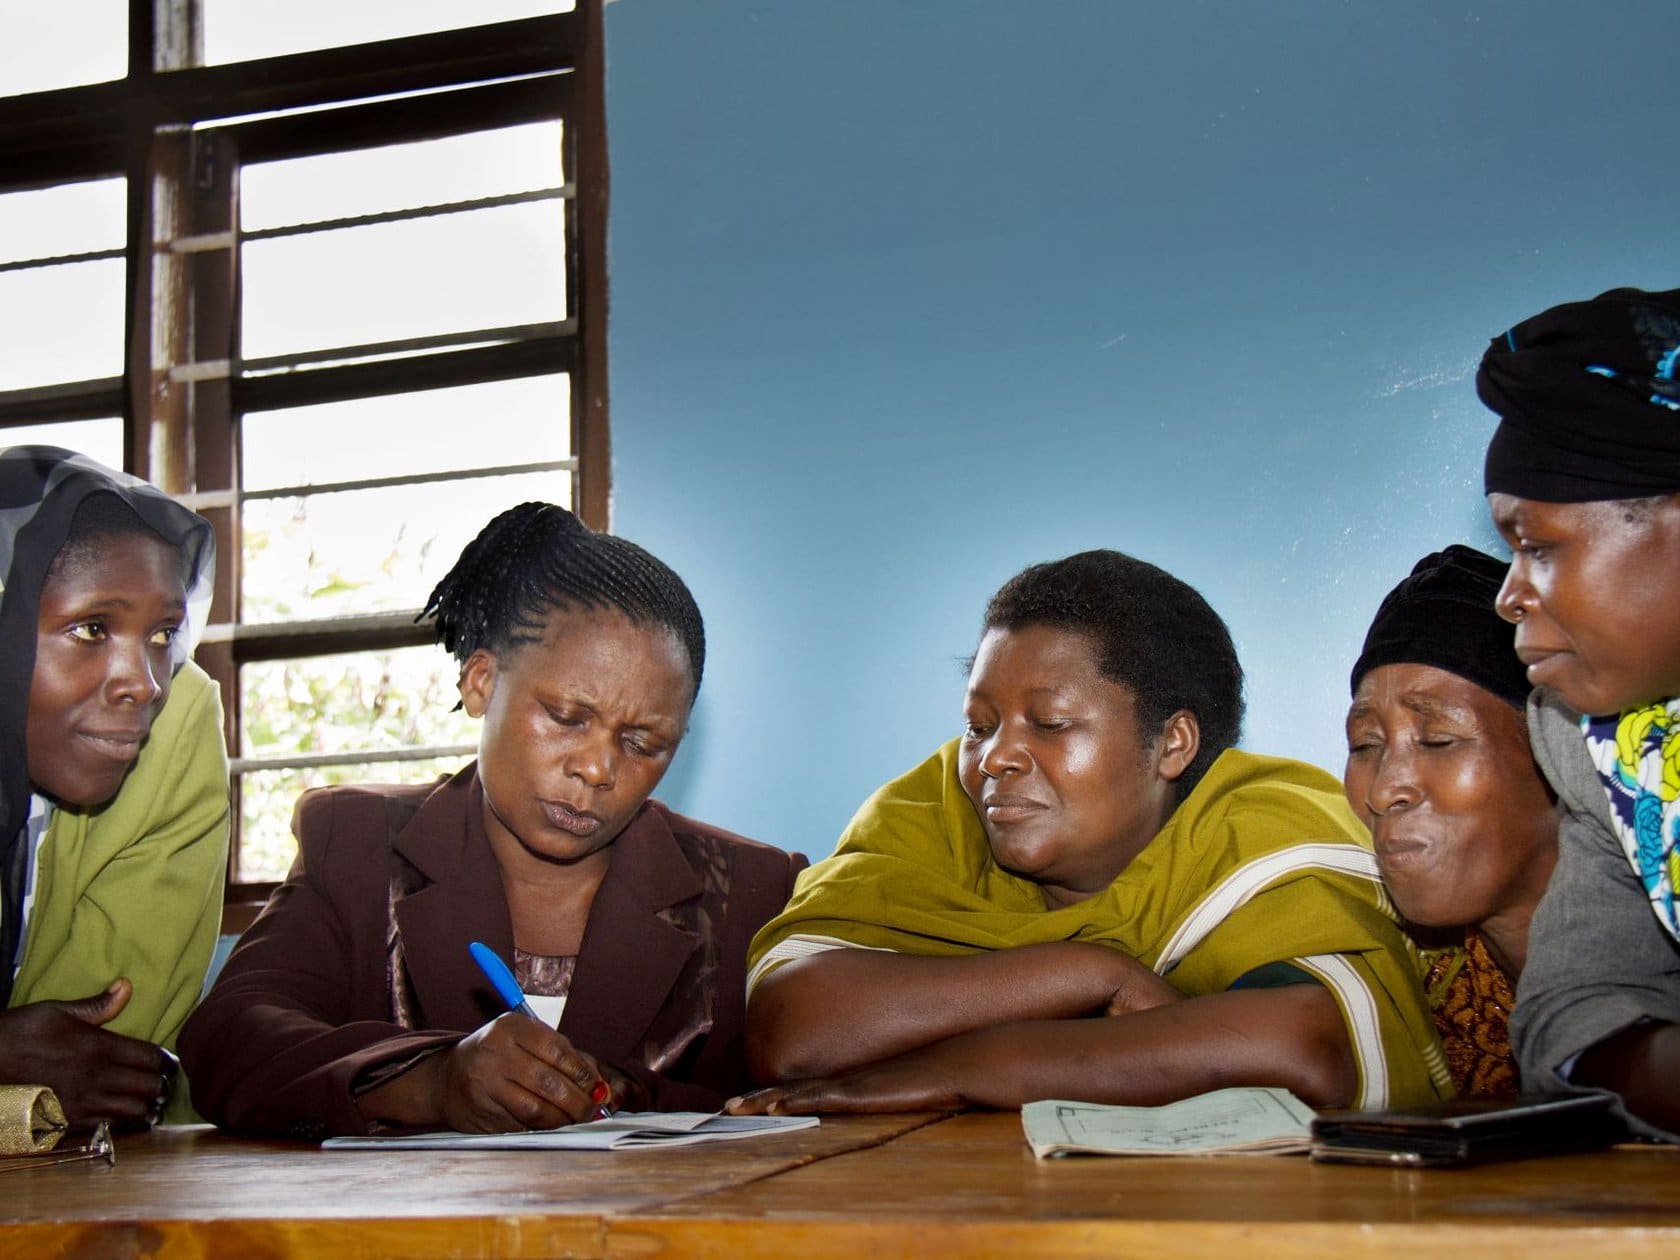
{"points": [[1464, 827], [1583, 480], [113, 782]]}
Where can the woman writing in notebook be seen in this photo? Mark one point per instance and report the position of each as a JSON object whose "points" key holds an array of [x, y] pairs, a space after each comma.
{"points": [[353, 1000]]}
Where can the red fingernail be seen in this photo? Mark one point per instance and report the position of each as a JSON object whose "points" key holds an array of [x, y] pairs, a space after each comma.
{"points": [[600, 1093]]}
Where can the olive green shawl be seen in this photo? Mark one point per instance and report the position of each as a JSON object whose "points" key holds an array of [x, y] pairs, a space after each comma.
{"points": [[1262, 863]]}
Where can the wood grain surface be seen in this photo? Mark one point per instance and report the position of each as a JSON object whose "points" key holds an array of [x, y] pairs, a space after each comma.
{"points": [[193, 1192], [858, 1186], [969, 1186]]}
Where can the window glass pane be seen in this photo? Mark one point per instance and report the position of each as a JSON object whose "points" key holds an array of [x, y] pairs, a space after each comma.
{"points": [[61, 323], [399, 176], [355, 286], [351, 703], [523, 421], [62, 44], [102, 439], [266, 797], [238, 30], [65, 219], [362, 551]]}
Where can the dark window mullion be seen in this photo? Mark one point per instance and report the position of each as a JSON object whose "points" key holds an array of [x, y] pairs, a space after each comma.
{"points": [[536, 356], [479, 107], [409, 64], [84, 130], [285, 641], [314, 360], [75, 400], [584, 165], [215, 281]]}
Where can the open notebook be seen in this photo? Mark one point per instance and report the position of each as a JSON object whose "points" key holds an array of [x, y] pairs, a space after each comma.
{"points": [[1254, 1120], [626, 1130]]}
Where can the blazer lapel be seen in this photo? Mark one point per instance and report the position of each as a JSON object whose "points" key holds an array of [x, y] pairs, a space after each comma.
{"points": [[631, 956], [462, 902]]}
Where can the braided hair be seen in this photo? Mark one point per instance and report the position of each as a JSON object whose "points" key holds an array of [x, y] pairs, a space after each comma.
{"points": [[538, 557], [1153, 633]]}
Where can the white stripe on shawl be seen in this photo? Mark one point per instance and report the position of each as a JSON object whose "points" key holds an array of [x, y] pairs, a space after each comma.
{"points": [[1359, 1011], [801, 947], [1252, 878]]}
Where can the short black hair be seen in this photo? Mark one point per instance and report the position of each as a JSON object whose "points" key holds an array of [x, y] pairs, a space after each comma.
{"points": [[1154, 634], [538, 557]]}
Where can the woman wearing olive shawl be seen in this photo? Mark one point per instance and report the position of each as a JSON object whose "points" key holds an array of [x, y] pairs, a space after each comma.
{"points": [[113, 783], [1092, 847]]}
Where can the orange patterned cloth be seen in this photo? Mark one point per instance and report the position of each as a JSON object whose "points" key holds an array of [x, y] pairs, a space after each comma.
{"points": [[1471, 997]]}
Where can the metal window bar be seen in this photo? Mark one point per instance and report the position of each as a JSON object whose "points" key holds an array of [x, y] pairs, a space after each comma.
{"points": [[365, 623], [330, 636], [562, 192], [63, 260], [290, 113], [74, 400], [211, 241], [225, 498], [482, 106], [408, 345], [363, 757], [35, 127]]}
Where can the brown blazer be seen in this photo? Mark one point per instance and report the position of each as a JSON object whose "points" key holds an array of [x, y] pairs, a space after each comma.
{"points": [[359, 960]]}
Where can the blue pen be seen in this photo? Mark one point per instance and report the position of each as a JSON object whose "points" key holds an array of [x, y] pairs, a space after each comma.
{"points": [[501, 979], [507, 988]]}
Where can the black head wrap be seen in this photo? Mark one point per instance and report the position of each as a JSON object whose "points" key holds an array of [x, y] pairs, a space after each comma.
{"points": [[41, 487], [1588, 396], [1443, 615]]}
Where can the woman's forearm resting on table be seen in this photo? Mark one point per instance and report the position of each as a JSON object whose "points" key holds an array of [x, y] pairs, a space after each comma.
{"points": [[1642, 1064], [836, 1010], [1291, 1037]]}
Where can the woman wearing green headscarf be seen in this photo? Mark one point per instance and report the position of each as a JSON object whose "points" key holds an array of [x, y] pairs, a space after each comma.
{"points": [[113, 783]]}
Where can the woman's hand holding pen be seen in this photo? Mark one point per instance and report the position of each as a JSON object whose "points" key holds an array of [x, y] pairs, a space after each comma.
{"points": [[514, 1073], [518, 1073], [543, 1072]]}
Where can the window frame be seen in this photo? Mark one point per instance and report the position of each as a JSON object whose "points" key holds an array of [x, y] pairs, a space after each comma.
{"points": [[179, 132]]}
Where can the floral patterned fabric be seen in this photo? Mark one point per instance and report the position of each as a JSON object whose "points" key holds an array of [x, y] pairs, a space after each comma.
{"points": [[1637, 755]]}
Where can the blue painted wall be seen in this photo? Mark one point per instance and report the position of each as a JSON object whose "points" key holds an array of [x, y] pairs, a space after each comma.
{"points": [[907, 295]]}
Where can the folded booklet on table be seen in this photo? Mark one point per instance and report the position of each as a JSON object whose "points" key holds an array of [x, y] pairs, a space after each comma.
{"points": [[1241, 1121], [624, 1131], [1467, 1131]]}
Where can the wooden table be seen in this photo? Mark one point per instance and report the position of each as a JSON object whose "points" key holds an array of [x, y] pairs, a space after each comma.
{"points": [[867, 1186]]}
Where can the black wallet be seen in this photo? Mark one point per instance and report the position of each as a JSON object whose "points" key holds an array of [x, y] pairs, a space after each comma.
{"points": [[1468, 1131]]}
